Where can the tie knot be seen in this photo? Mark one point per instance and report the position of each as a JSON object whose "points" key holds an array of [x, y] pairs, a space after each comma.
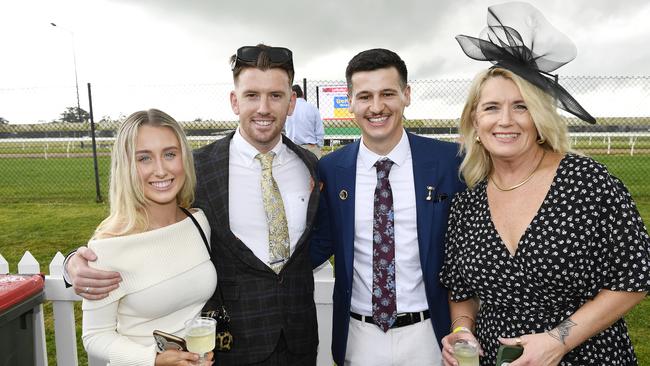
{"points": [[383, 167], [266, 159]]}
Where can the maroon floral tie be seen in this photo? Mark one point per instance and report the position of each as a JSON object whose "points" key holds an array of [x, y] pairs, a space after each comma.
{"points": [[384, 306]]}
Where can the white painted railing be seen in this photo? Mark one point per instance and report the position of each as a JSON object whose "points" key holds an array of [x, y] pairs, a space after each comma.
{"points": [[63, 300], [70, 142]]}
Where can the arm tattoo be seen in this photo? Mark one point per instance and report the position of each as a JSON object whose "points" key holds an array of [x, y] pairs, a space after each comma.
{"points": [[562, 331]]}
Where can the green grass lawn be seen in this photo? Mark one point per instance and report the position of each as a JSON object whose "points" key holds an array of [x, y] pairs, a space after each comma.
{"points": [[51, 180], [48, 206], [633, 171], [44, 229]]}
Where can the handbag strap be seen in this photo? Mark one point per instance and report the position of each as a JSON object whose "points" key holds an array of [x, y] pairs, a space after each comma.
{"points": [[205, 241], [196, 223]]}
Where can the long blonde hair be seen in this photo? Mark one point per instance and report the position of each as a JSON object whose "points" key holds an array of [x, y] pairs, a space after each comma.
{"points": [[550, 127], [126, 193]]}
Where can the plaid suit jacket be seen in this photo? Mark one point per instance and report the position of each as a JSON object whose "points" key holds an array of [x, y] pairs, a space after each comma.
{"points": [[261, 303]]}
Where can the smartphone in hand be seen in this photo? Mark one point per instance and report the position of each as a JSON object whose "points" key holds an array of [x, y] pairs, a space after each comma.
{"points": [[507, 354], [166, 341]]}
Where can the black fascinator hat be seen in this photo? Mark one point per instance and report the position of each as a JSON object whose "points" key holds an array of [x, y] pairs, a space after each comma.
{"points": [[518, 38]]}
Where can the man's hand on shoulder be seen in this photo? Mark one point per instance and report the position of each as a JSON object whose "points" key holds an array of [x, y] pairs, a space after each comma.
{"points": [[89, 283]]}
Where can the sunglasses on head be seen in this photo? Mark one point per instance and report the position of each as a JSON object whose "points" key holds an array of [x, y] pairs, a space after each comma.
{"points": [[248, 55]]}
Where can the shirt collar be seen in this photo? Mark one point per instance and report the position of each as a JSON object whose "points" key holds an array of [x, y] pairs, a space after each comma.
{"points": [[248, 152], [398, 155]]}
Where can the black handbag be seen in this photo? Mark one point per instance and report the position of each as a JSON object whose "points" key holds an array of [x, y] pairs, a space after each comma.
{"points": [[224, 339]]}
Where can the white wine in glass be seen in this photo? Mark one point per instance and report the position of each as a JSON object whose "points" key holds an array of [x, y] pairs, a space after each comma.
{"points": [[466, 353], [200, 336]]}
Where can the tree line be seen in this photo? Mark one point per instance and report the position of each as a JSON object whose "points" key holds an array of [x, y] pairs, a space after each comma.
{"points": [[69, 115]]}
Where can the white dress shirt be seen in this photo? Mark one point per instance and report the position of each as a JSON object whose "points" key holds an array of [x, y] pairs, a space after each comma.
{"points": [[247, 215], [411, 296], [304, 125]]}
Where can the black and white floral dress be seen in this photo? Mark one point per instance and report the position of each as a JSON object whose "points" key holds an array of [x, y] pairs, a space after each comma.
{"points": [[586, 236]]}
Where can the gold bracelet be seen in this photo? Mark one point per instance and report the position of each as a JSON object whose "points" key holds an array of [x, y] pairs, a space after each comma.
{"points": [[461, 317]]}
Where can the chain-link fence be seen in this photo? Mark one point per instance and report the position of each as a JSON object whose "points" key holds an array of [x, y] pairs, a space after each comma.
{"points": [[54, 161]]}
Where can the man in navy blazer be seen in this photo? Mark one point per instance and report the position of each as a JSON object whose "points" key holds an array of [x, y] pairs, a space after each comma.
{"points": [[424, 178]]}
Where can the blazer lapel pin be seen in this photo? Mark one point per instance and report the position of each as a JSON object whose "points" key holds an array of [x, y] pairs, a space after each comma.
{"points": [[430, 192], [343, 195]]}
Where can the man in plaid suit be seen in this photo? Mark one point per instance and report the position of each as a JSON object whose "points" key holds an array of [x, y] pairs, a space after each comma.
{"points": [[270, 301], [273, 314]]}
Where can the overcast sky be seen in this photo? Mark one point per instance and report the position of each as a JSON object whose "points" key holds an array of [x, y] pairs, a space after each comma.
{"points": [[127, 43]]}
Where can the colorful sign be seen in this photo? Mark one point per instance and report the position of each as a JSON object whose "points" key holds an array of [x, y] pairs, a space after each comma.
{"points": [[333, 102]]}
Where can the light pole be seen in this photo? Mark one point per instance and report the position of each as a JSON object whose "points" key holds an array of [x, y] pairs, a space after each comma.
{"points": [[74, 58]]}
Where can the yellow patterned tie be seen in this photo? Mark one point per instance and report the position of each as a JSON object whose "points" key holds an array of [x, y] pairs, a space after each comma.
{"points": [[275, 216]]}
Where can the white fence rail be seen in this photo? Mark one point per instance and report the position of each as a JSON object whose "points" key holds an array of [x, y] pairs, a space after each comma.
{"points": [[63, 300], [605, 139]]}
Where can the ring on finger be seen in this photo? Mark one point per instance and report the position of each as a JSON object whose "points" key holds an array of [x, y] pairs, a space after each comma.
{"points": [[87, 290], [518, 341]]}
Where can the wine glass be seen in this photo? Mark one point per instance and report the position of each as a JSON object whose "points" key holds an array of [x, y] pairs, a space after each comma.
{"points": [[200, 336]]}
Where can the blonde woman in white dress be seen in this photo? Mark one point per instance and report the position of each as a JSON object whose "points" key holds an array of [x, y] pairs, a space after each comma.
{"points": [[167, 275]]}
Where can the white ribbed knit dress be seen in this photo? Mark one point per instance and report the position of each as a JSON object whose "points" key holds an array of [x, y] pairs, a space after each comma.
{"points": [[167, 277]]}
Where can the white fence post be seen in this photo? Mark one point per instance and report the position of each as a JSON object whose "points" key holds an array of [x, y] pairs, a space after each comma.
{"points": [[29, 265], [4, 266], [323, 289], [65, 335]]}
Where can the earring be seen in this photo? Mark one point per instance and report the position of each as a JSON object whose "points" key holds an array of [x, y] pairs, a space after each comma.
{"points": [[541, 141], [477, 140]]}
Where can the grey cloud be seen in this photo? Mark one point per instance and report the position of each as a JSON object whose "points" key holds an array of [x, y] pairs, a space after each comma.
{"points": [[431, 66], [313, 29]]}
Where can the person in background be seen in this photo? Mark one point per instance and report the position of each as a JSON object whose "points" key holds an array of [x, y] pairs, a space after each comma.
{"points": [[304, 126], [545, 250], [383, 214], [259, 192], [149, 238]]}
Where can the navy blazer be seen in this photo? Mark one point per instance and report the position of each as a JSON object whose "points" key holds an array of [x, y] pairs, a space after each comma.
{"points": [[435, 164]]}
